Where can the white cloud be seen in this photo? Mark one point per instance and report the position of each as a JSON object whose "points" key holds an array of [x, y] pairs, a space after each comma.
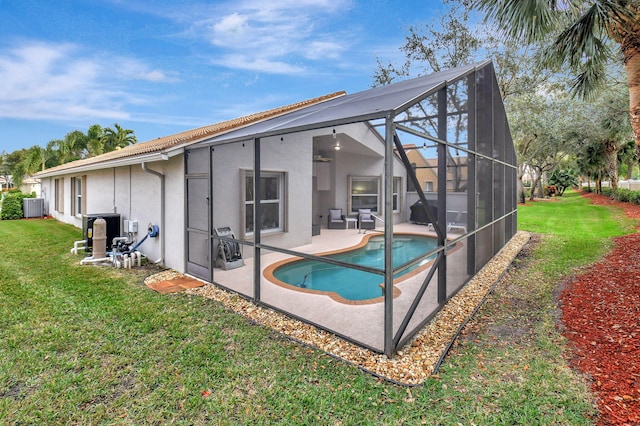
{"points": [[231, 26], [318, 50], [274, 37], [59, 81], [249, 63], [133, 69]]}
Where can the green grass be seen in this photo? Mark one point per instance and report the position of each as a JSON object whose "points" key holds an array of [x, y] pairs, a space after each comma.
{"points": [[581, 232], [91, 345]]}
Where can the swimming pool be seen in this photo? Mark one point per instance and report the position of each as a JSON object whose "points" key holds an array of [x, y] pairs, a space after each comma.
{"points": [[352, 284]]}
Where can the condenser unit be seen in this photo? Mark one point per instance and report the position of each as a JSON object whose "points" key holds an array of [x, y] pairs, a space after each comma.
{"points": [[33, 207]]}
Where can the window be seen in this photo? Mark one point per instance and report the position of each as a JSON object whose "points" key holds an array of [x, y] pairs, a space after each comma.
{"points": [[397, 181], [77, 189], [271, 200], [428, 186], [59, 194], [364, 193]]}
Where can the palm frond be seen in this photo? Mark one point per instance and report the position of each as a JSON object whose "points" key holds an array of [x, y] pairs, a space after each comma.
{"points": [[525, 20], [590, 77], [583, 38]]}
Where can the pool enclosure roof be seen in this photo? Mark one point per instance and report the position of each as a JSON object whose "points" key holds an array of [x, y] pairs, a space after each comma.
{"points": [[367, 105]]}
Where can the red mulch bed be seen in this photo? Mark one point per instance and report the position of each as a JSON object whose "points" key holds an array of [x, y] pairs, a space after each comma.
{"points": [[601, 313]]}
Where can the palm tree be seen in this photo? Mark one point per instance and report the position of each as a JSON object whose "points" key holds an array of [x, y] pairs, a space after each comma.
{"points": [[95, 140], [583, 30], [118, 138], [591, 162], [72, 147], [32, 160]]}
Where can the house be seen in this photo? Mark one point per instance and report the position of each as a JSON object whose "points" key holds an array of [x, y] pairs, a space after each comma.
{"points": [[144, 182], [206, 190], [30, 186]]}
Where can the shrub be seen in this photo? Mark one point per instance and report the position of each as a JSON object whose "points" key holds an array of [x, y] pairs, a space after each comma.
{"points": [[563, 179], [12, 205], [634, 197], [624, 194], [550, 190], [607, 191]]}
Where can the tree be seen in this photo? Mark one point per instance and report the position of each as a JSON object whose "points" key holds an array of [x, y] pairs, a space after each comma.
{"points": [[118, 138], [563, 179], [581, 30], [31, 161], [13, 163], [616, 132], [451, 43], [448, 44], [72, 147], [524, 122], [539, 125], [627, 158], [5, 172], [601, 131], [591, 163], [95, 140]]}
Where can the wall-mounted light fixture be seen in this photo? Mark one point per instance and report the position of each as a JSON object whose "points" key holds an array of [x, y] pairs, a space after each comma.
{"points": [[337, 144]]}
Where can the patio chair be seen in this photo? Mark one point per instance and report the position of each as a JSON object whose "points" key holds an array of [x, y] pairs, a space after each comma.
{"points": [[457, 220], [336, 219], [366, 219]]}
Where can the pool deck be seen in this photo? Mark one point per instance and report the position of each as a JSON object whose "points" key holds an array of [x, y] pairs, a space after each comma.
{"points": [[360, 321]]}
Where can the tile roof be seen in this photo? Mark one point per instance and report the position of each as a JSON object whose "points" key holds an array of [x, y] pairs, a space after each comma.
{"points": [[189, 136]]}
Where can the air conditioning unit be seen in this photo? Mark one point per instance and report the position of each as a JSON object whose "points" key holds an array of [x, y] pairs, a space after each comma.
{"points": [[33, 207]]}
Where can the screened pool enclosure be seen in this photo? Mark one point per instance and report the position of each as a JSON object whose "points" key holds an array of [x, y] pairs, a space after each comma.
{"points": [[428, 158]]}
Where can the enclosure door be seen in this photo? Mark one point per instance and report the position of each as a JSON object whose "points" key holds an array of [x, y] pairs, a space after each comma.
{"points": [[198, 214]]}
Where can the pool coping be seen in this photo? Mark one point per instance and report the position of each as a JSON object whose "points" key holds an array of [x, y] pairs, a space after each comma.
{"points": [[269, 270]]}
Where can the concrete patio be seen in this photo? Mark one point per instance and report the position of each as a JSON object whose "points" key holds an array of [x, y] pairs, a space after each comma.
{"points": [[361, 322]]}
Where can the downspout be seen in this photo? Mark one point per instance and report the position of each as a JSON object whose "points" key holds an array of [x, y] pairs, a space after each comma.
{"points": [[162, 229]]}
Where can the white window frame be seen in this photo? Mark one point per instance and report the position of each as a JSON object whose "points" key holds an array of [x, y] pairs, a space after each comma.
{"points": [[428, 186], [59, 194], [280, 200], [355, 179], [397, 194], [77, 190]]}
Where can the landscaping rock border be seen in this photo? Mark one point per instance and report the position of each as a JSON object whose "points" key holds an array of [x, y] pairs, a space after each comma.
{"points": [[416, 361]]}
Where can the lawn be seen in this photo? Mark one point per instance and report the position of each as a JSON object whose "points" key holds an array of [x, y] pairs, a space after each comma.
{"points": [[91, 345]]}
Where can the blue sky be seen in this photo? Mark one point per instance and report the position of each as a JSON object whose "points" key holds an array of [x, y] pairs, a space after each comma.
{"points": [[161, 67]]}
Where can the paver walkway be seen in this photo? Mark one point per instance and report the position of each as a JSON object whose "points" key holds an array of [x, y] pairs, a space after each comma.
{"points": [[175, 285]]}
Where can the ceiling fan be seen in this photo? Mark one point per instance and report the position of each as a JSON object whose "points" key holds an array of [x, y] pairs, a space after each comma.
{"points": [[321, 159]]}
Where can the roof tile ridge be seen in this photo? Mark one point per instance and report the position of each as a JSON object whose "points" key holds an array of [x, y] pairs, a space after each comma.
{"points": [[164, 142]]}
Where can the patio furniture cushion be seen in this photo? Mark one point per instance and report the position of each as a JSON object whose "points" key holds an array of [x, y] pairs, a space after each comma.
{"points": [[336, 219], [365, 219], [335, 214]]}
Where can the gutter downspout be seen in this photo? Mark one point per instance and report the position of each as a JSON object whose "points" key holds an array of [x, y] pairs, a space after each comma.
{"points": [[162, 197]]}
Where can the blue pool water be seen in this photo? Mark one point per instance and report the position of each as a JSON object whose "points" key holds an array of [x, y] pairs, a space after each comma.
{"points": [[353, 284]]}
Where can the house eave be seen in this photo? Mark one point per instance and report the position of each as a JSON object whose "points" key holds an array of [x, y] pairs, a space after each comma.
{"points": [[120, 162]]}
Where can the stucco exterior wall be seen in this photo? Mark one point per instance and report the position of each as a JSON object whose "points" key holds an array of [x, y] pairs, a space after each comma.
{"points": [[347, 165], [135, 195], [291, 156]]}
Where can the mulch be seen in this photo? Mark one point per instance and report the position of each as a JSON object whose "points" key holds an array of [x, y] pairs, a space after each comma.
{"points": [[601, 316]]}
